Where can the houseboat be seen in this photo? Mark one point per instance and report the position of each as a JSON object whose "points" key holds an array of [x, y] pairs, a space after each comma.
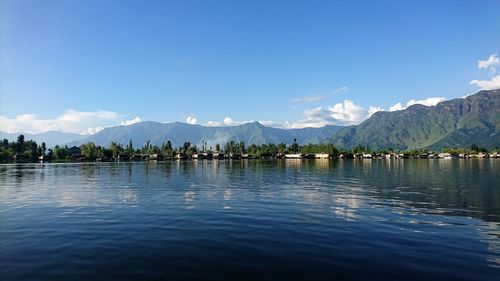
{"points": [[219, 155], [322, 156], [294, 156]]}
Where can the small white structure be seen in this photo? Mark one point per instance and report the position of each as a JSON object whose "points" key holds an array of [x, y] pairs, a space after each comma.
{"points": [[367, 155], [294, 156], [444, 155], [219, 155], [322, 156]]}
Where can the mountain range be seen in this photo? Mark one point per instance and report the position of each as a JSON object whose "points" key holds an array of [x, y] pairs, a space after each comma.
{"points": [[178, 133], [454, 123]]}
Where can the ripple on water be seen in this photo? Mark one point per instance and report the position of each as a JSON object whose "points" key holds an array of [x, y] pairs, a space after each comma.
{"points": [[250, 220]]}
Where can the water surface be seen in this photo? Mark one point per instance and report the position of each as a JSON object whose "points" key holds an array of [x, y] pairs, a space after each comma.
{"points": [[251, 220]]}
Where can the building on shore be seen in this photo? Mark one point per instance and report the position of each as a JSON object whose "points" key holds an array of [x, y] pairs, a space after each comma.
{"points": [[278, 156], [322, 156], [202, 156], [181, 156], [234, 156], [294, 156], [219, 155], [445, 155], [75, 153]]}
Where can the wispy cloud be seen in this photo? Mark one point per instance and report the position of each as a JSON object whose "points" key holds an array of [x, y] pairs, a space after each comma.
{"points": [[131, 121], [431, 101], [313, 98], [228, 121], [344, 113], [396, 107], [492, 84], [71, 121], [490, 63]]}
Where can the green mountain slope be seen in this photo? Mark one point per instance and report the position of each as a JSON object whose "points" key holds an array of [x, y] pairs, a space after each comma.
{"points": [[458, 122], [178, 133]]}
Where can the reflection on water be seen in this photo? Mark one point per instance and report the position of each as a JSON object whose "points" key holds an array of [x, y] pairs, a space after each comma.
{"points": [[412, 219]]}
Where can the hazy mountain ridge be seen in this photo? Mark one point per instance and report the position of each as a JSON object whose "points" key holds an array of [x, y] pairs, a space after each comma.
{"points": [[453, 123], [457, 122], [51, 138], [178, 133]]}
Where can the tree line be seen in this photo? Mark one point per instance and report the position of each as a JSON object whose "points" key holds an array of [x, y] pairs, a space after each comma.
{"points": [[31, 151]]}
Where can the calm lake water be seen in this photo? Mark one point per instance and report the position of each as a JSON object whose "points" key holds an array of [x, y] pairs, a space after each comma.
{"points": [[251, 220]]}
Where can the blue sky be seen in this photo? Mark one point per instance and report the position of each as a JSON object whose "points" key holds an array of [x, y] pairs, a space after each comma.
{"points": [[83, 65]]}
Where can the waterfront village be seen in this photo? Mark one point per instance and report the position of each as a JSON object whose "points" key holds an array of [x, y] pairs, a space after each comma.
{"points": [[30, 151], [77, 156]]}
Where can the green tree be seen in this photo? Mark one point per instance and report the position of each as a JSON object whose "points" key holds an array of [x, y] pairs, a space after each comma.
{"points": [[20, 144], [44, 148], [89, 150], [474, 148], [130, 148], [116, 149], [60, 153], [295, 146]]}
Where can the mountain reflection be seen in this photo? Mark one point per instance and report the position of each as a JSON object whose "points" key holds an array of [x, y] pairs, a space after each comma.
{"points": [[456, 187]]}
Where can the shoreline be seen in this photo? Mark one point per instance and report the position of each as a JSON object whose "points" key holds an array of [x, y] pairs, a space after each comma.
{"points": [[240, 160]]}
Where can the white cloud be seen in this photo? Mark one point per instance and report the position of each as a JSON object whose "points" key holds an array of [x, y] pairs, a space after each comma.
{"points": [[344, 113], [191, 120], [269, 123], [489, 63], [91, 131], [228, 121], [313, 98], [373, 109], [131, 121], [432, 101], [71, 121], [492, 84], [397, 106], [348, 113]]}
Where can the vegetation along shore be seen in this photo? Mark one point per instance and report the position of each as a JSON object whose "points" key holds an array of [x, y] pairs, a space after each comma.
{"points": [[29, 151]]}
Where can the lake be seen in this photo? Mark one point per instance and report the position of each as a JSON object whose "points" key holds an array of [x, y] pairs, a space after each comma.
{"points": [[251, 220]]}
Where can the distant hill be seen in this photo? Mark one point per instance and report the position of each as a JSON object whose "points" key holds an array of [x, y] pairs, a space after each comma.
{"points": [[453, 123], [50, 138], [178, 133]]}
